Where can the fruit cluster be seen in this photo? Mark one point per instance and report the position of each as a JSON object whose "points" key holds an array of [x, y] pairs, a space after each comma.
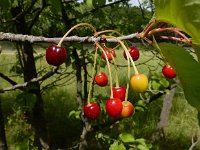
{"points": [[117, 105]]}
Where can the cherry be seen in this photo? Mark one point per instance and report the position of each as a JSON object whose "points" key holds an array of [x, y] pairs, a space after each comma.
{"points": [[91, 110], [139, 82], [55, 55], [108, 53], [128, 109], [168, 71], [101, 79], [119, 92], [134, 52], [114, 107]]}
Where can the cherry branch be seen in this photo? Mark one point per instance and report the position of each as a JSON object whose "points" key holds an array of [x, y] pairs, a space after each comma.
{"points": [[25, 84], [35, 39]]}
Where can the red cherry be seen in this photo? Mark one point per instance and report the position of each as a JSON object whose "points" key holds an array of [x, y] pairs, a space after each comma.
{"points": [[168, 71], [119, 92], [134, 52], [114, 107], [101, 79], [55, 55], [91, 110], [108, 53], [128, 109]]}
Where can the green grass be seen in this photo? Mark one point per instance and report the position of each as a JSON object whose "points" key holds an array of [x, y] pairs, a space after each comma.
{"points": [[59, 101]]}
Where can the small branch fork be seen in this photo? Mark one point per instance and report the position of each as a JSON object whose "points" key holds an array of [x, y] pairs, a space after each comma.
{"points": [[24, 85]]}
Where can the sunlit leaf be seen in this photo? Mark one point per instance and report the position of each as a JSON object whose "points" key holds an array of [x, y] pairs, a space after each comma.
{"points": [[126, 137], [184, 14]]}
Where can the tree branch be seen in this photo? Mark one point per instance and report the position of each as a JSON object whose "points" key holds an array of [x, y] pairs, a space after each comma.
{"points": [[35, 39], [8, 79], [25, 84]]}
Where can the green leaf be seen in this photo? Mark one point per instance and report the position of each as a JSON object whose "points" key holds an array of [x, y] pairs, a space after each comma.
{"points": [[188, 71], [126, 137], [164, 82], [89, 3], [56, 6], [155, 85], [117, 146], [184, 14], [142, 147]]}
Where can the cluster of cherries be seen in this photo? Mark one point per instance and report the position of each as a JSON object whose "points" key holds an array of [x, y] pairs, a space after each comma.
{"points": [[117, 105]]}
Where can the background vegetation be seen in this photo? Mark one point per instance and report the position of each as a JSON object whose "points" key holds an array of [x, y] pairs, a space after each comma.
{"points": [[49, 109]]}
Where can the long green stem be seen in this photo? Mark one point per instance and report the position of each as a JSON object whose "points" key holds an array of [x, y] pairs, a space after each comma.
{"points": [[129, 74], [127, 52], [78, 25], [109, 70], [93, 76]]}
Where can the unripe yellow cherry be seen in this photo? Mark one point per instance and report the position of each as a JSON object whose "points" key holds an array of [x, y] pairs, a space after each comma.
{"points": [[139, 83]]}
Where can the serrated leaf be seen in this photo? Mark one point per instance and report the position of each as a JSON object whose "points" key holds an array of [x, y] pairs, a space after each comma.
{"points": [[89, 3], [155, 85], [117, 146], [164, 82], [126, 137], [188, 70], [184, 14], [142, 147]]}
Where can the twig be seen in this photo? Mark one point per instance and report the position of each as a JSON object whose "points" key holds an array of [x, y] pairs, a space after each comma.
{"points": [[194, 143], [23, 85]]}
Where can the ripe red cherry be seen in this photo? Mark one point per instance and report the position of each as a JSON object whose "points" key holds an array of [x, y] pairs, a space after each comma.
{"points": [[91, 110], [119, 92], [55, 55], [128, 109], [114, 107], [168, 71], [101, 79], [134, 52], [108, 52]]}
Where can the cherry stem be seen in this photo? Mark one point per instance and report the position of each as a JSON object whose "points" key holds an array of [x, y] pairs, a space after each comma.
{"points": [[116, 71], [93, 76], [129, 72], [109, 70], [155, 44], [147, 28], [106, 31], [176, 30], [127, 52], [78, 25]]}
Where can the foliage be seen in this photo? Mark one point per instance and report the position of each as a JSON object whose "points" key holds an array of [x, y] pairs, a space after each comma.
{"points": [[53, 20]]}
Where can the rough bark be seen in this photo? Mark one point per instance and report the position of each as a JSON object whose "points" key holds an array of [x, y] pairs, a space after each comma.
{"points": [[29, 71], [164, 116], [3, 143], [86, 127]]}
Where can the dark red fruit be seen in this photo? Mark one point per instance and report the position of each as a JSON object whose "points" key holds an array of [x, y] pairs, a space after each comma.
{"points": [[55, 55], [108, 53], [101, 79], [119, 92], [91, 110], [134, 52], [168, 72], [114, 107]]}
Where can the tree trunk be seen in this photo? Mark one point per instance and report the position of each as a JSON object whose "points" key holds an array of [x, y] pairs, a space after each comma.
{"points": [[38, 120], [86, 126], [29, 71], [164, 116], [3, 144]]}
